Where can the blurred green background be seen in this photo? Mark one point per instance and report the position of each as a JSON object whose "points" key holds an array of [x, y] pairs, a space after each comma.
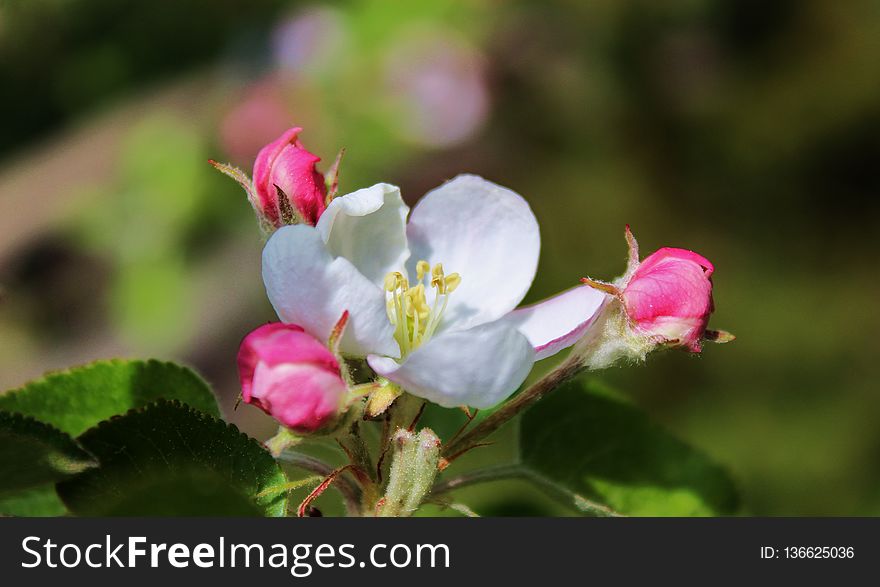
{"points": [[746, 130]]}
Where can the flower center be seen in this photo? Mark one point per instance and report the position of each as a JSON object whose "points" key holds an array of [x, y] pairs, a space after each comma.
{"points": [[414, 320]]}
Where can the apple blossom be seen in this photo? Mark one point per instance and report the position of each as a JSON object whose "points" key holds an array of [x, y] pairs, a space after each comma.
{"points": [[431, 300], [291, 376]]}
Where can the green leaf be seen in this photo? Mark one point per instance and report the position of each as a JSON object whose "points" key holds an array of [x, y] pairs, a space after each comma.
{"points": [[33, 454], [39, 501], [169, 460], [77, 399], [595, 443]]}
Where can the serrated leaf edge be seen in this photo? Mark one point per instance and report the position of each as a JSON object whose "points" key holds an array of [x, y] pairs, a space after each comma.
{"points": [[49, 376], [208, 418], [55, 373]]}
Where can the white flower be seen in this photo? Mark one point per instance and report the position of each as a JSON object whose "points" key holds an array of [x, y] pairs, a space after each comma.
{"points": [[431, 301]]}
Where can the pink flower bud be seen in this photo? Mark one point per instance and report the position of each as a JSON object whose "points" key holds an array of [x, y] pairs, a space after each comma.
{"points": [[670, 296], [285, 165], [291, 376], [663, 301]]}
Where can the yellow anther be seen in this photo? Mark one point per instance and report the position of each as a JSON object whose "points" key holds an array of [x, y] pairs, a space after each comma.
{"points": [[438, 271], [392, 281], [422, 268], [452, 282]]}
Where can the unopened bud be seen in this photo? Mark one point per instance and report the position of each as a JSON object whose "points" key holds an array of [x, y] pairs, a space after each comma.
{"points": [[291, 376], [413, 469], [664, 300]]}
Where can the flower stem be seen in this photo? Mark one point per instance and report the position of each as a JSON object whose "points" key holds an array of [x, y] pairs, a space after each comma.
{"points": [[564, 372]]}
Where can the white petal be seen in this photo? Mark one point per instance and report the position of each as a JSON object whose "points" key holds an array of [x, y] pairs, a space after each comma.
{"points": [[368, 227], [488, 235], [560, 321], [308, 287], [478, 367]]}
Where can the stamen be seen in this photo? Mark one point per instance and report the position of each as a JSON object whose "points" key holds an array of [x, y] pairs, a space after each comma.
{"points": [[414, 320], [452, 282], [422, 268], [404, 320], [391, 281], [415, 335]]}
